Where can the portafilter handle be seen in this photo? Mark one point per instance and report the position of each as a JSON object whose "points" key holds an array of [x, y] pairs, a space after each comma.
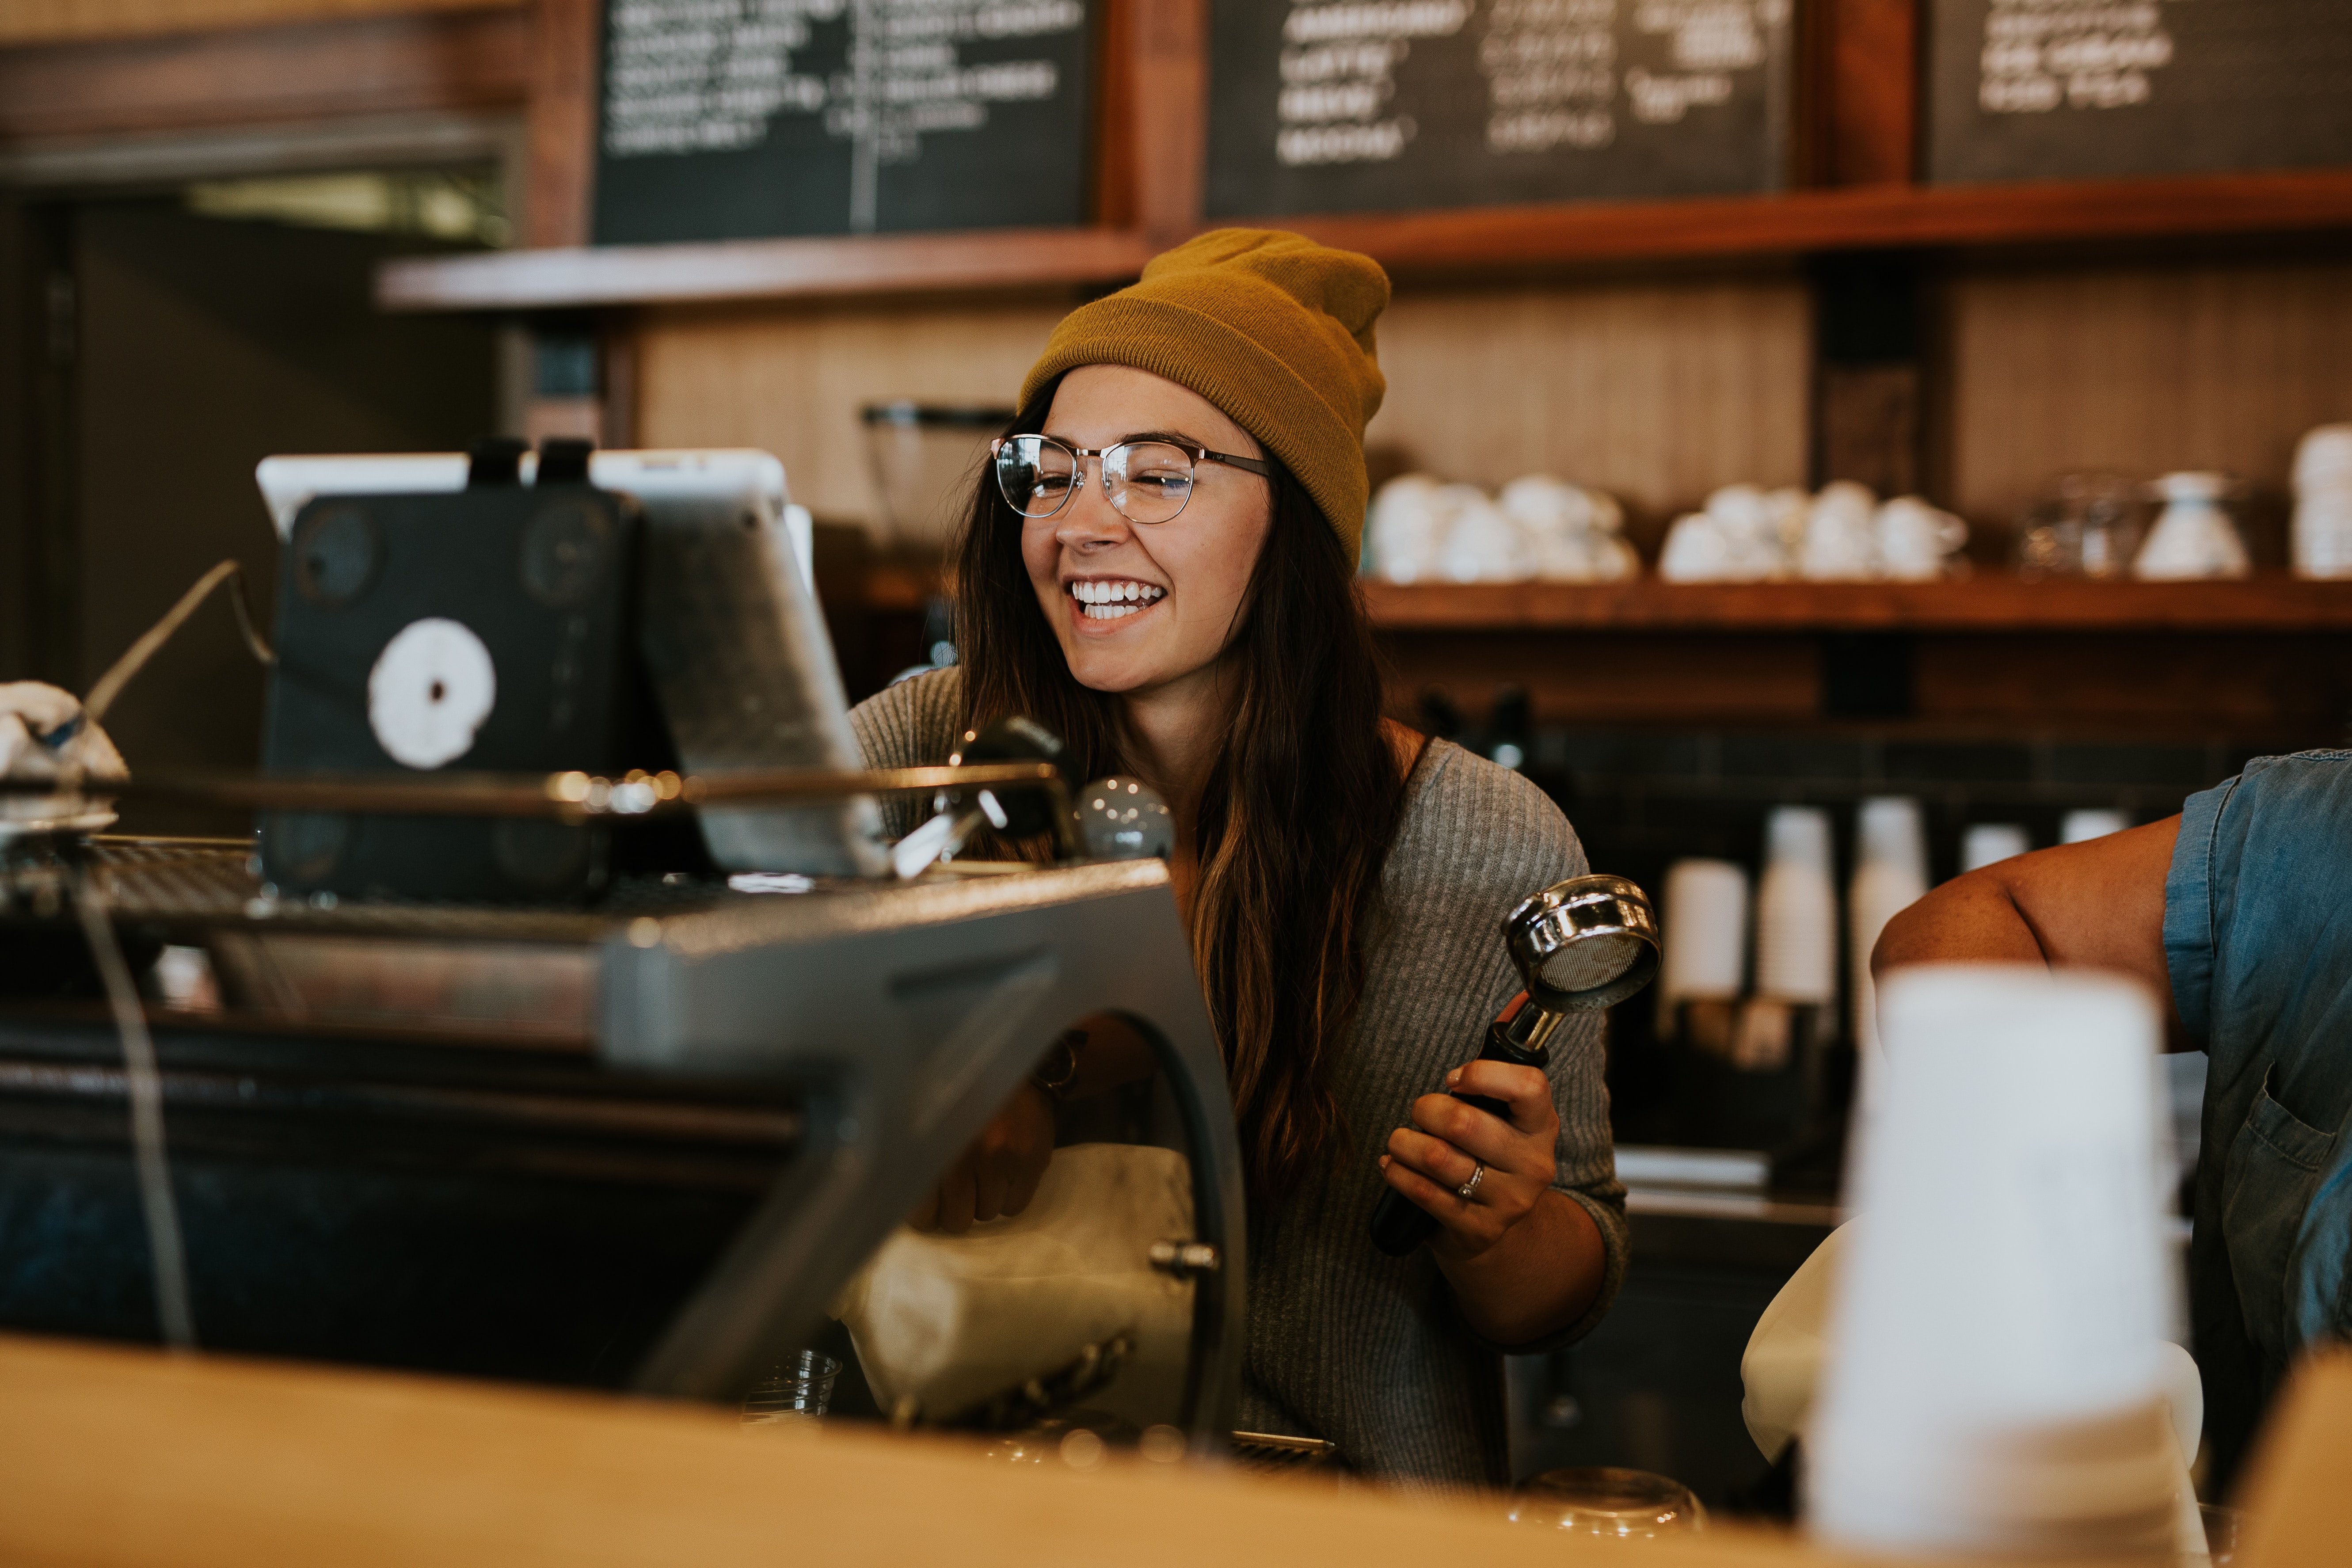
{"points": [[1580, 946]]}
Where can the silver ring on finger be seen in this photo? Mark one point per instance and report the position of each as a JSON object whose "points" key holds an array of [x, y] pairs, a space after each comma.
{"points": [[1469, 1189]]}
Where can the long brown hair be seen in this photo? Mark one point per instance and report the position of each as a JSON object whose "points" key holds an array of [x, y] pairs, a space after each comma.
{"points": [[1294, 826]]}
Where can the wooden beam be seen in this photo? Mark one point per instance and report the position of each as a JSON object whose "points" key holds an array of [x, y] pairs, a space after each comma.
{"points": [[1170, 108], [1117, 129], [457, 60], [559, 204], [1466, 241], [1870, 83], [1866, 216], [762, 268]]}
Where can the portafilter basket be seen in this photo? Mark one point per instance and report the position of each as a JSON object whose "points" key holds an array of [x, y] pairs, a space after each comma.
{"points": [[1584, 944]]}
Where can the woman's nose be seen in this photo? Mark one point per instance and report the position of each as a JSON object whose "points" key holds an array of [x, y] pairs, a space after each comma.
{"points": [[1090, 519]]}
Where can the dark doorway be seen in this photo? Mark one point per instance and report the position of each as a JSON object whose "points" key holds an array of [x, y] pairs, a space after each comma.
{"points": [[199, 345]]}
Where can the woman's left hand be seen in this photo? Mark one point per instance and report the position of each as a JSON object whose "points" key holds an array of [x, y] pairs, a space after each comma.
{"points": [[1433, 1159]]}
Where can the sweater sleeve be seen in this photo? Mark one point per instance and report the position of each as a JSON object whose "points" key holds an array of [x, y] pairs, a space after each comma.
{"points": [[913, 724], [1479, 841]]}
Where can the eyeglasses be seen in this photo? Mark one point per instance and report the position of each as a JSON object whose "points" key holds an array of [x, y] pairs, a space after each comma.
{"points": [[1147, 481]]}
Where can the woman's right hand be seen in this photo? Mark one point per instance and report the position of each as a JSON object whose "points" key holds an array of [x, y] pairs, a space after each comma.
{"points": [[999, 1173]]}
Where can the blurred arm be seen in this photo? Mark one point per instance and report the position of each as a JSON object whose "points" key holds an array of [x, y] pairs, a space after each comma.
{"points": [[2095, 905]]}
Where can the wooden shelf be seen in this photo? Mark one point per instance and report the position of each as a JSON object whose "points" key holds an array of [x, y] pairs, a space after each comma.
{"points": [[1463, 239], [762, 268], [1986, 603], [1860, 217]]}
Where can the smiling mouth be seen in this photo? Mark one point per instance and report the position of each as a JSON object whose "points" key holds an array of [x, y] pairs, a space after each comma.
{"points": [[1114, 600]]}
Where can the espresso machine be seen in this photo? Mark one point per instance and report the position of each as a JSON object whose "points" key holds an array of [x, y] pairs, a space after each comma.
{"points": [[640, 1146], [520, 1062]]}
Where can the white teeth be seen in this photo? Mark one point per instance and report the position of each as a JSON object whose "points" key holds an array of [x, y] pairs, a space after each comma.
{"points": [[1111, 601]]}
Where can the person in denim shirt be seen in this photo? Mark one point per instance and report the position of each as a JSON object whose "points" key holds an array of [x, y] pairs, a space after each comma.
{"points": [[2239, 911]]}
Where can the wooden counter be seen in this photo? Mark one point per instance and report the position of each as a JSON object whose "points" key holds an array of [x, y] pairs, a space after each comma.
{"points": [[115, 1457]]}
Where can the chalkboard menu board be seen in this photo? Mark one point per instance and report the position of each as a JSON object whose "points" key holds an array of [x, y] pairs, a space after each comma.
{"points": [[1355, 105], [2023, 90], [738, 119]]}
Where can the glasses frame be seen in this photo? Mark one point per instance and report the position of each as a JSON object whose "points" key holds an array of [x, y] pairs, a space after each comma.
{"points": [[1197, 455]]}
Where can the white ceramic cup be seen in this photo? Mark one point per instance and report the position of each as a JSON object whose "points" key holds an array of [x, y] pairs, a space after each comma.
{"points": [[2193, 537], [1915, 538]]}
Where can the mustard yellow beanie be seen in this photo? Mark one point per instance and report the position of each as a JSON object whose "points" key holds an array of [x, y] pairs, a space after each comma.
{"points": [[1274, 329]]}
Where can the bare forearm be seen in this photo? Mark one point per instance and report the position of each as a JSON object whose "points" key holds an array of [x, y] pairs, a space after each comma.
{"points": [[1541, 1276]]}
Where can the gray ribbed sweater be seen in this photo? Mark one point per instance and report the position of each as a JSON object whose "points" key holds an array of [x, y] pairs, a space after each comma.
{"points": [[1345, 1344]]}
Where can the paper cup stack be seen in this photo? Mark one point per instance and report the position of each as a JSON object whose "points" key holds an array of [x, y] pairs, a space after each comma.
{"points": [[1989, 843], [1796, 909], [1705, 957], [1890, 875], [2080, 826], [2323, 503], [1994, 1381]]}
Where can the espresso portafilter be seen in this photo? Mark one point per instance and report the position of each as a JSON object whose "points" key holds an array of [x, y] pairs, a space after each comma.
{"points": [[1580, 946]]}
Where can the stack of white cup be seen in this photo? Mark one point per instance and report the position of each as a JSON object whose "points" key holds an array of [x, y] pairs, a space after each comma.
{"points": [[1705, 957], [2323, 503], [1796, 909], [1986, 843], [1890, 875], [1995, 1375], [2076, 827]]}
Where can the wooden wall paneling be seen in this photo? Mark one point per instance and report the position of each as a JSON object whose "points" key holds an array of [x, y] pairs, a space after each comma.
{"points": [[374, 66], [1656, 392], [791, 380], [40, 629], [1751, 681], [2282, 691], [619, 378], [559, 197], [1170, 96], [56, 21], [2265, 690], [2144, 369]]}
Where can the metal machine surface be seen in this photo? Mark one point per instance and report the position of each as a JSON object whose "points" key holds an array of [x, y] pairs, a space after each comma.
{"points": [[637, 1145]]}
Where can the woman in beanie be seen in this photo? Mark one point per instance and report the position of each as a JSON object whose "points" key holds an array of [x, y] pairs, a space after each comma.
{"points": [[1160, 567]]}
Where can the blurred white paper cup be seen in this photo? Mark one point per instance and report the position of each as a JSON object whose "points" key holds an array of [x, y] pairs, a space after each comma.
{"points": [[1987, 843], [1890, 875], [1995, 1381], [2077, 825], [1796, 909], [1707, 932], [2323, 502]]}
